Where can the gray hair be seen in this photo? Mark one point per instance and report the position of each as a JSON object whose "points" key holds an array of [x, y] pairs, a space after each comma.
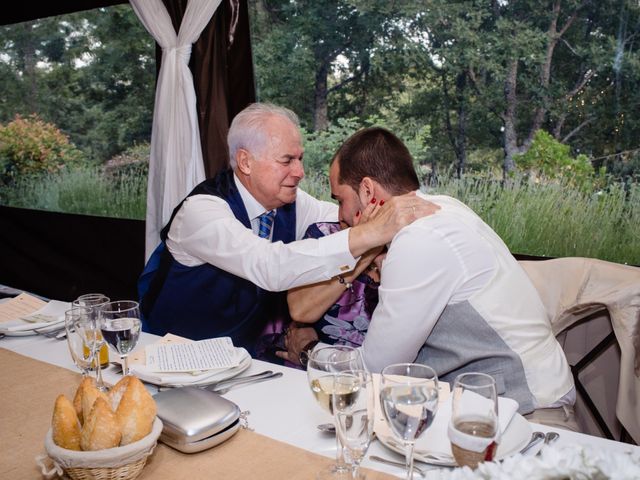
{"points": [[247, 129]]}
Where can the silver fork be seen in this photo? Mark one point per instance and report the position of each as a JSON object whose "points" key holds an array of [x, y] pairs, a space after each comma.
{"points": [[58, 334]]}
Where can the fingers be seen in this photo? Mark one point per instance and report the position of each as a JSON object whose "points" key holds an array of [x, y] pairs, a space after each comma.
{"points": [[369, 211], [423, 208]]}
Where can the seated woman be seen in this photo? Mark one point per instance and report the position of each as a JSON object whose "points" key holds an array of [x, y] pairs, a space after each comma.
{"points": [[338, 311]]}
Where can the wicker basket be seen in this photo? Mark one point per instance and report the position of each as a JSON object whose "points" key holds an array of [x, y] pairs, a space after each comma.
{"points": [[120, 463]]}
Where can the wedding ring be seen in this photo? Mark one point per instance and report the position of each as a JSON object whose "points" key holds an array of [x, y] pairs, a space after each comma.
{"points": [[414, 209]]}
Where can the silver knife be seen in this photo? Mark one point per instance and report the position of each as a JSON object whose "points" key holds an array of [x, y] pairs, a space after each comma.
{"points": [[236, 380], [222, 389]]}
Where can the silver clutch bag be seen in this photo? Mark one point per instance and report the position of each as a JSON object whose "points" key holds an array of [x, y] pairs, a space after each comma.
{"points": [[196, 419]]}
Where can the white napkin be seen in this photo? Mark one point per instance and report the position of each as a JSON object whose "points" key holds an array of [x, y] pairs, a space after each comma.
{"points": [[435, 439], [48, 316]]}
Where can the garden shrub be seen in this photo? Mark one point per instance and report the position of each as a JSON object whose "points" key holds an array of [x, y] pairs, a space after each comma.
{"points": [[29, 146], [549, 159]]}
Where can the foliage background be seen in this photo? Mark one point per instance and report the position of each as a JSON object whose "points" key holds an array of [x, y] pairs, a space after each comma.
{"points": [[528, 111]]}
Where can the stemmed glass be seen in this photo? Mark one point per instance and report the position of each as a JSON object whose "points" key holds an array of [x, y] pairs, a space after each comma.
{"points": [[95, 301], [86, 326], [354, 415], [80, 353], [324, 363], [474, 419], [409, 400], [120, 325]]}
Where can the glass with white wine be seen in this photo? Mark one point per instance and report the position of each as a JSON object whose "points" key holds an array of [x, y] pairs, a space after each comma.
{"points": [[409, 400], [474, 419], [323, 365], [94, 301]]}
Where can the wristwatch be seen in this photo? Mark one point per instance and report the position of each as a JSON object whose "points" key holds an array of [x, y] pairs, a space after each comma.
{"points": [[303, 358]]}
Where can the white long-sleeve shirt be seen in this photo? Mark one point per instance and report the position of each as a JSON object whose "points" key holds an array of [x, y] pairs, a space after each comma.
{"points": [[205, 230]]}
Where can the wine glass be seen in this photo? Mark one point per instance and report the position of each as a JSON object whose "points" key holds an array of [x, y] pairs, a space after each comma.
{"points": [[354, 415], [86, 326], [474, 419], [409, 400], [80, 352], [120, 325], [95, 301], [322, 366]]}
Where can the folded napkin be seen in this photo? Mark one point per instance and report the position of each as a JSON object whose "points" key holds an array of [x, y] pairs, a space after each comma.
{"points": [[52, 313], [435, 439]]}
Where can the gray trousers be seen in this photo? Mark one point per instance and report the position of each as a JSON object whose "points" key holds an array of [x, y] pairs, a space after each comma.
{"points": [[561, 417]]}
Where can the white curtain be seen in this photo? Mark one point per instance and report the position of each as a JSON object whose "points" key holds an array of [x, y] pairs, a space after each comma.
{"points": [[176, 164]]}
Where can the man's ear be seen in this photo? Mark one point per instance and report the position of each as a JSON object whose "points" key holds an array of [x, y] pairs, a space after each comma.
{"points": [[243, 158], [367, 190]]}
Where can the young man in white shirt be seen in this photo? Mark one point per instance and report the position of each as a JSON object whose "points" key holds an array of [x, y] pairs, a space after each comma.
{"points": [[451, 294]]}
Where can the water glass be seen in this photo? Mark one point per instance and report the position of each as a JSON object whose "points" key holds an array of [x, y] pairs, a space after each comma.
{"points": [[120, 326], [354, 415], [474, 419], [80, 353], [409, 400]]}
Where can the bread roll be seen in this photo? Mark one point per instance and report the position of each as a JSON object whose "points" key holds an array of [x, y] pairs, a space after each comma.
{"points": [[136, 412], [115, 394], [89, 395], [100, 429], [65, 425], [77, 399]]}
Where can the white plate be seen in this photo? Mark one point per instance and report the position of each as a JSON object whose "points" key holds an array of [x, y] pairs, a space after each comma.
{"points": [[516, 436], [199, 380], [30, 328]]}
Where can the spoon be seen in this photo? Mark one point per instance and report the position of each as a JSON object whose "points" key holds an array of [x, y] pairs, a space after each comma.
{"points": [[536, 438], [551, 437], [327, 428]]}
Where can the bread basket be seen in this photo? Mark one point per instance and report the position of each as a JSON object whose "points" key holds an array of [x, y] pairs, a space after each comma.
{"points": [[119, 463]]}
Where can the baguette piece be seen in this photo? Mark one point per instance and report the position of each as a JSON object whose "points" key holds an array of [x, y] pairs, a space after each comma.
{"points": [[117, 391], [101, 428], [89, 395], [77, 399], [136, 412], [65, 425]]}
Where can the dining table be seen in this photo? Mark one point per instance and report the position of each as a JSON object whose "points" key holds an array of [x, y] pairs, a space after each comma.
{"points": [[281, 439]]}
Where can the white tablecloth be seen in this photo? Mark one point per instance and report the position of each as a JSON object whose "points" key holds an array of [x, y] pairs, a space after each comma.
{"points": [[283, 409]]}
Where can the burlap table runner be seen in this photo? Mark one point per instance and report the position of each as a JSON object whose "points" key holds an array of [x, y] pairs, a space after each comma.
{"points": [[30, 387]]}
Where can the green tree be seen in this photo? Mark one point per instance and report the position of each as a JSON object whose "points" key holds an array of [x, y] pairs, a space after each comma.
{"points": [[91, 73], [309, 51]]}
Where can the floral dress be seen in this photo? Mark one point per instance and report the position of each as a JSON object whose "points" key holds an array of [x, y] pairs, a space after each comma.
{"points": [[347, 321]]}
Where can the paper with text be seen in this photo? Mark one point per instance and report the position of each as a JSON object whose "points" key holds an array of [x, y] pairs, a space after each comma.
{"points": [[20, 306], [213, 353]]}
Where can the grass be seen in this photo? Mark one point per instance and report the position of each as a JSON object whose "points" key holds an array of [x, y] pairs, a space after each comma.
{"points": [[545, 219], [84, 190]]}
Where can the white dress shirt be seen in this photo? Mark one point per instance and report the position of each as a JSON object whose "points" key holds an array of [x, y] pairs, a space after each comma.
{"points": [[431, 263], [205, 230]]}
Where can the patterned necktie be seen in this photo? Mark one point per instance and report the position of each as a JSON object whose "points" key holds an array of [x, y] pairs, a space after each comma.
{"points": [[266, 222]]}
